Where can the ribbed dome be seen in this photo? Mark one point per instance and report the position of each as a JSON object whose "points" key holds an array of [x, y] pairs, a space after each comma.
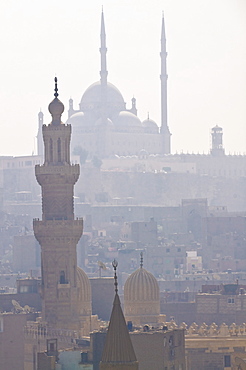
{"points": [[84, 294], [141, 285], [92, 97]]}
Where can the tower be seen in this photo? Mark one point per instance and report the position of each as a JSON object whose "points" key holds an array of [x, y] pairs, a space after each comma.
{"points": [[118, 352], [217, 142], [58, 233], [164, 127]]}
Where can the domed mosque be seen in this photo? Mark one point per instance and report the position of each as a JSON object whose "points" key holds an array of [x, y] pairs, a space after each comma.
{"points": [[104, 127], [142, 298]]}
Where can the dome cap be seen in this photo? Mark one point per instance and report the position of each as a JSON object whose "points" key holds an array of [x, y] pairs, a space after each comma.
{"points": [[56, 107]]}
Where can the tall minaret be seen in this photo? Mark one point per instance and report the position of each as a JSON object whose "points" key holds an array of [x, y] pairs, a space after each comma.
{"points": [[164, 127], [103, 52], [58, 233], [118, 352], [103, 106]]}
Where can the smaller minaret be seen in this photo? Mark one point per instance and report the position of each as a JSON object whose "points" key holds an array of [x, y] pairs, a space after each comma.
{"points": [[217, 142], [70, 110], [164, 127], [134, 108], [40, 135], [118, 352]]}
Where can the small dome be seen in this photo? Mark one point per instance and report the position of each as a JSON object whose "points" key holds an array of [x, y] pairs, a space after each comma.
{"points": [[84, 294], [127, 119], [78, 119], [141, 285], [100, 122], [92, 97], [56, 108], [150, 125]]}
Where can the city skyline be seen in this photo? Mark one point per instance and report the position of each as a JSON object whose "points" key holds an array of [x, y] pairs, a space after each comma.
{"points": [[205, 64]]}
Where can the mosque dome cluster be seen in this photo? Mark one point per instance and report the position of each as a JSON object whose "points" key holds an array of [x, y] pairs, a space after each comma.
{"points": [[104, 127]]}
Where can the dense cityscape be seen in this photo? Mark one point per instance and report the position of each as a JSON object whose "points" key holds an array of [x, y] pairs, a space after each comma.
{"points": [[115, 252]]}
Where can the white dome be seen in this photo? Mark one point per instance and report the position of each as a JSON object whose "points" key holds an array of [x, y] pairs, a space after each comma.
{"points": [[78, 119], [127, 119], [150, 125]]}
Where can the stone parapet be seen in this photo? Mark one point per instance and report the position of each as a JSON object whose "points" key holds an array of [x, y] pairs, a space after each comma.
{"points": [[66, 169], [44, 230]]}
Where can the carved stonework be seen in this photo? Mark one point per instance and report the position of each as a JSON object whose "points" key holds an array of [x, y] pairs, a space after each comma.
{"points": [[65, 291]]}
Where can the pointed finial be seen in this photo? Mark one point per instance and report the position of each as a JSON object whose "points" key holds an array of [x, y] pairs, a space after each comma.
{"points": [[56, 88], [162, 13], [148, 115], [141, 260], [115, 264], [102, 8]]}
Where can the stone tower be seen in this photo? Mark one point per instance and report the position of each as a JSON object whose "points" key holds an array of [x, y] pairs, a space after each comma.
{"points": [[58, 233], [217, 149]]}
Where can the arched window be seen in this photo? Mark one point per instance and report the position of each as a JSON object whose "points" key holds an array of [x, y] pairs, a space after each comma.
{"points": [[51, 150], [59, 149]]}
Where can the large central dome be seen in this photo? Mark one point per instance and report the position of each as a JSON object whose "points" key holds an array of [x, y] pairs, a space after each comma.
{"points": [[92, 97]]}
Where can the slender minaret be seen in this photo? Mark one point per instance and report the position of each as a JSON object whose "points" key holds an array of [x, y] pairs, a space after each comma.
{"points": [[103, 52], [118, 352], [58, 233], [39, 135], [164, 127]]}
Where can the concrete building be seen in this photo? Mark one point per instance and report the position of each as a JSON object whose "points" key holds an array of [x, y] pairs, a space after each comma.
{"points": [[12, 345]]}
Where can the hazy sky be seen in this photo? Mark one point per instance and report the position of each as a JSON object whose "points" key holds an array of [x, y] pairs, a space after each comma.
{"points": [[206, 44]]}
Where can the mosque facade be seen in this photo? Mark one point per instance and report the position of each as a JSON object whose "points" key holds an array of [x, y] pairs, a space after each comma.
{"points": [[103, 127]]}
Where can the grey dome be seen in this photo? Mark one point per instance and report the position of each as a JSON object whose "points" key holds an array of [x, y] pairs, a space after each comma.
{"points": [[92, 97]]}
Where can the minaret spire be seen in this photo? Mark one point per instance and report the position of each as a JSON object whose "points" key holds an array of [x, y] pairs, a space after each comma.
{"points": [[164, 127], [118, 352], [141, 260], [103, 51]]}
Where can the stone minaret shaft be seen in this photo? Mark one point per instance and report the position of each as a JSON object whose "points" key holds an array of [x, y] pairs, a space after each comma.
{"points": [[164, 126], [58, 233]]}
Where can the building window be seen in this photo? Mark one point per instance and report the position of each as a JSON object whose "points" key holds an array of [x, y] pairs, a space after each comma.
{"points": [[227, 361], [168, 250], [231, 300], [62, 277]]}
